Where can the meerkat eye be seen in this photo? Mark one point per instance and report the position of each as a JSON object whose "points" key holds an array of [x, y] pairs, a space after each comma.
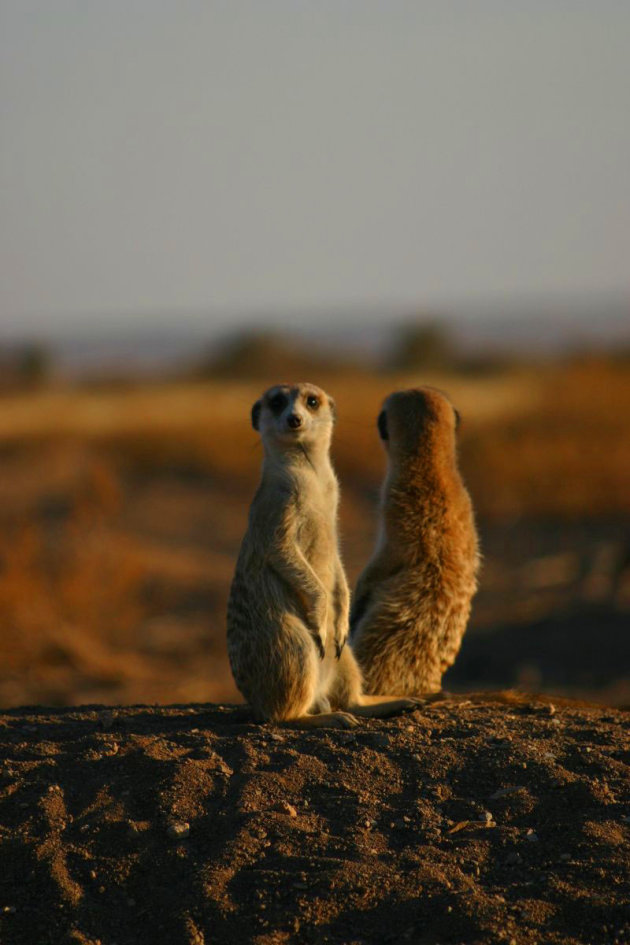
{"points": [[277, 403], [312, 401]]}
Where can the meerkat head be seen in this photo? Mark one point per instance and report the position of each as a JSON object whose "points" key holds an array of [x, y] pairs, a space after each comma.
{"points": [[294, 415], [412, 418]]}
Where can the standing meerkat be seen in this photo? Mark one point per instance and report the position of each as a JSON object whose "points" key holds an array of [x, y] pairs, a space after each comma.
{"points": [[412, 601], [287, 619]]}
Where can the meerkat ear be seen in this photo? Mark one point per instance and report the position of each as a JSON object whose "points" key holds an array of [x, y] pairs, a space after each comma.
{"points": [[458, 418], [333, 407], [381, 423], [256, 414]]}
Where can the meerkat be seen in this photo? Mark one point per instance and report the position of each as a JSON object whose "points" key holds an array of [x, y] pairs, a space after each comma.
{"points": [[412, 601], [288, 609]]}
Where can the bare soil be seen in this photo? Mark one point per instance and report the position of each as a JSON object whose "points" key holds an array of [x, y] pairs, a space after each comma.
{"points": [[471, 820]]}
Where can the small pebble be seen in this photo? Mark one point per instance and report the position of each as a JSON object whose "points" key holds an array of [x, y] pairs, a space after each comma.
{"points": [[178, 830], [285, 808], [487, 817], [531, 835]]}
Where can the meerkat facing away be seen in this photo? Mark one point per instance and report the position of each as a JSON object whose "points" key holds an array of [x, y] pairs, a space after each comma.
{"points": [[412, 601], [287, 619]]}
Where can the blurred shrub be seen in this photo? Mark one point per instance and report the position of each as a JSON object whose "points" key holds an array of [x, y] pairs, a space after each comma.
{"points": [[29, 365], [255, 355], [34, 364], [425, 345], [273, 357]]}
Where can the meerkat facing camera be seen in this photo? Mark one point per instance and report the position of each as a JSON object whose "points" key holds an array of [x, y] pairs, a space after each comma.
{"points": [[287, 619], [412, 601]]}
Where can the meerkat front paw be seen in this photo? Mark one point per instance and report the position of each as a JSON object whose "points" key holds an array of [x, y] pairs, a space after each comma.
{"points": [[316, 618], [315, 623]]}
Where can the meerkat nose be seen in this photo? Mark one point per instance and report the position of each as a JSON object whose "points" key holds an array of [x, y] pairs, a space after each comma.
{"points": [[294, 421]]}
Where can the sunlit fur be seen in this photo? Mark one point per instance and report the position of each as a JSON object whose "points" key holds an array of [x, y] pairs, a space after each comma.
{"points": [[412, 601], [287, 618], [288, 608]]}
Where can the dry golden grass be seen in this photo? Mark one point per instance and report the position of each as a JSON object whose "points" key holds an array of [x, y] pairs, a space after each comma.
{"points": [[568, 455], [122, 510]]}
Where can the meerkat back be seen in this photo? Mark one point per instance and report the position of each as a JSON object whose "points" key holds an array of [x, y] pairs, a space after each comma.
{"points": [[412, 601]]}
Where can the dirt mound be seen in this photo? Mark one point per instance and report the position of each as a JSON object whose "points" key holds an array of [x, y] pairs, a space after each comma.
{"points": [[464, 821]]}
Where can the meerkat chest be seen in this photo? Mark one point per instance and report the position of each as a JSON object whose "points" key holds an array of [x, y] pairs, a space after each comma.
{"points": [[317, 528]]}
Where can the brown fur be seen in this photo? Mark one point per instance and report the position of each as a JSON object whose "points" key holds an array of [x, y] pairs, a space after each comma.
{"points": [[287, 619], [412, 601]]}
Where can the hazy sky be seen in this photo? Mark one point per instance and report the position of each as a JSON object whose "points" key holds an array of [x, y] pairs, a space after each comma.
{"points": [[252, 156]]}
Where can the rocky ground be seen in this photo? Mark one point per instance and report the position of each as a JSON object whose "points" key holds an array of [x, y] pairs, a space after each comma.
{"points": [[478, 820]]}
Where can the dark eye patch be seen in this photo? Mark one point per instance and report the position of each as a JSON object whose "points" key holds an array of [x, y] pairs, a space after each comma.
{"points": [[278, 402], [458, 419], [381, 423], [312, 402]]}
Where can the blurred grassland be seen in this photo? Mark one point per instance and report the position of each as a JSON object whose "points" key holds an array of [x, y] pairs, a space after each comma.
{"points": [[122, 511]]}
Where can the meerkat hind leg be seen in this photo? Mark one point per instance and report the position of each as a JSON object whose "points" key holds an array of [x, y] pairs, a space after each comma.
{"points": [[325, 720], [347, 692], [380, 707], [309, 710], [321, 716]]}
